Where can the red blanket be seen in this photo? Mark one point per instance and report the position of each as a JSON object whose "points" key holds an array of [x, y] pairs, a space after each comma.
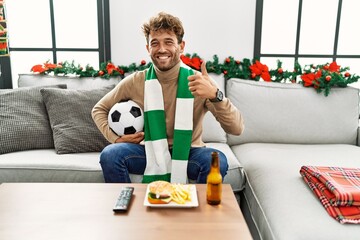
{"points": [[338, 190]]}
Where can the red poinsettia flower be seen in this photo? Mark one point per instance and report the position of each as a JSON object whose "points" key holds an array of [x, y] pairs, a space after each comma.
{"points": [[310, 79], [38, 68], [333, 67], [3, 45], [110, 68], [185, 59], [51, 66], [261, 70], [194, 62]]}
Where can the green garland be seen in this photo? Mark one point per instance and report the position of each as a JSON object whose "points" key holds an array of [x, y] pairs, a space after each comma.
{"points": [[106, 70], [321, 77]]}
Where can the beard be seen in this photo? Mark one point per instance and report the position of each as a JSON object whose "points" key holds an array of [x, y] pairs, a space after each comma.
{"points": [[165, 61]]}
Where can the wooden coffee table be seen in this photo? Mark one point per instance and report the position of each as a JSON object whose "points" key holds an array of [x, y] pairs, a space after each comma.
{"points": [[84, 211]]}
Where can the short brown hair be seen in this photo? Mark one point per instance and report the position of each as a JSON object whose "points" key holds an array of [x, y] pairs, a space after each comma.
{"points": [[164, 21]]}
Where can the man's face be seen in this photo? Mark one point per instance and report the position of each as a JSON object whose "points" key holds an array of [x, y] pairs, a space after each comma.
{"points": [[164, 49]]}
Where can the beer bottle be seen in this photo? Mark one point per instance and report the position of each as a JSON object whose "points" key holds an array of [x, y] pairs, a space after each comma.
{"points": [[214, 181]]}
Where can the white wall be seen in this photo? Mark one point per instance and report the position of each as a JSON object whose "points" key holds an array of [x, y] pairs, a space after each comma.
{"points": [[225, 28]]}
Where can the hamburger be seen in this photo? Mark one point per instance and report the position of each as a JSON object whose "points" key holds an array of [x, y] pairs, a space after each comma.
{"points": [[160, 192]]}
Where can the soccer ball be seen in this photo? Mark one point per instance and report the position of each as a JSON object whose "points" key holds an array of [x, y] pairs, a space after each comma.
{"points": [[126, 118]]}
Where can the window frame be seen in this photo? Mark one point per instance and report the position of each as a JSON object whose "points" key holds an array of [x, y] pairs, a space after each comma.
{"points": [[104, 50], [296, 55]]}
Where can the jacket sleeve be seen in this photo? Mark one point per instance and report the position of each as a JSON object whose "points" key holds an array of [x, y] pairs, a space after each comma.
{"points": [[101, 109], [227, 115]]}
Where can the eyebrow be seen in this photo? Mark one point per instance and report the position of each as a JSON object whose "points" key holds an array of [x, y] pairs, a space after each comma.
{"points": [[165, 39], [169, 39]]}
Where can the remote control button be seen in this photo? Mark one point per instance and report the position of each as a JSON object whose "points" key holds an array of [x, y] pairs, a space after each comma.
{"points": [[124, 199]]}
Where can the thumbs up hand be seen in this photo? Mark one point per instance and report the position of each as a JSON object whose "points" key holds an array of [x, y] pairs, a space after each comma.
{"points": [[201, 84]]}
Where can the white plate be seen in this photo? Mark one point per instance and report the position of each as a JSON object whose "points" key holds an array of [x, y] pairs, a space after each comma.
{"points": [[188, 204]]}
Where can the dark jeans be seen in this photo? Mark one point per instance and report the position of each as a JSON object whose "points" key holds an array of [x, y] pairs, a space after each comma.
{"points": [[118, 160]]}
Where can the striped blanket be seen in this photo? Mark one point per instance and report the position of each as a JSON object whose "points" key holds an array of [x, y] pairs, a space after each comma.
{"points": [[338, 190]]}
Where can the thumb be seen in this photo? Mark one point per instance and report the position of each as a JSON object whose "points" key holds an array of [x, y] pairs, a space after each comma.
{"points": [[203, 68]]}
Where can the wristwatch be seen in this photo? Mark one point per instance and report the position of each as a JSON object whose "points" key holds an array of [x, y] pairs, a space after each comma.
{"points": [[219, 96]]}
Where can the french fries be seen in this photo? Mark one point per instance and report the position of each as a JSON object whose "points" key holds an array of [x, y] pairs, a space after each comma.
{"points": [[181, 194]]}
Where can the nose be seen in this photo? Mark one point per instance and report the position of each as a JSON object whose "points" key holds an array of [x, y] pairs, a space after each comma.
{"points": [[161, 47]]}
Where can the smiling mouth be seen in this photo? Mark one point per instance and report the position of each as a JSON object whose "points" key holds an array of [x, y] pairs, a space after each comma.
{"points": [[163, 57]]}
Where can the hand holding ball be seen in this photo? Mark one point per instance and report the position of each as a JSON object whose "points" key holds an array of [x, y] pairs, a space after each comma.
{"points": [[126, 118]]}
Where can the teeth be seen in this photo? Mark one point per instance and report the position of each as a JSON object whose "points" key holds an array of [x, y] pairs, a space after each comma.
{"points": [[165, 57]]}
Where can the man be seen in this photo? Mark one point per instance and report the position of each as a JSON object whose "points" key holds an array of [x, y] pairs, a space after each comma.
{"points": [[174, 100]]}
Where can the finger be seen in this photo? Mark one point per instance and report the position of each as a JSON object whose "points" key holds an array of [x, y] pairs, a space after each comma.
{"points": [[192, 89], [191, 78], [203, 69], [194, 77], [193, 83], [140, 135]]}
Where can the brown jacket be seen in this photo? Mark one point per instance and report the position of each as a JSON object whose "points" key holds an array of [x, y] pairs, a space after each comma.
{"points": [[132, 87]]}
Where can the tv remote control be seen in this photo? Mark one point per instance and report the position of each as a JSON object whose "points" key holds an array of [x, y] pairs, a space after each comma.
{"points": [[124, 199]]}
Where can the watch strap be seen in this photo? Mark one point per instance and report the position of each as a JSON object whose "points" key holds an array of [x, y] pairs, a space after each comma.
{"points": [[219, 96]]}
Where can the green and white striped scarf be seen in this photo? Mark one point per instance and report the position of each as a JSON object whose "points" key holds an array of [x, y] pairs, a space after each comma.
{"points": [[160, 165]]}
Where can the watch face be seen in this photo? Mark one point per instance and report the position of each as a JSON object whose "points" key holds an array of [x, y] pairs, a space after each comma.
{"points": [[220, 95]]}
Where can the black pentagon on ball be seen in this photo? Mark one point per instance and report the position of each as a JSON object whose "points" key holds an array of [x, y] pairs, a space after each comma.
{"points": [[129, 130], [135, 111], [115, 116]]}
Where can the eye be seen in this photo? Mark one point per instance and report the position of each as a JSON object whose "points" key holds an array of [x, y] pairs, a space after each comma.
{"points": [[169, 42], [154, 44]]}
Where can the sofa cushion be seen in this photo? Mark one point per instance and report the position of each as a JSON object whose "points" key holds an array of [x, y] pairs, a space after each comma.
{"points": [[281, 203], [291, 113], [24, 121], [69, 111], [44, 165]]}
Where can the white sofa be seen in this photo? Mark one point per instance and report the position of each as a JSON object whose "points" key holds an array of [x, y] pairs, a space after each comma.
{"points": [[286, 126], [71, 160]]}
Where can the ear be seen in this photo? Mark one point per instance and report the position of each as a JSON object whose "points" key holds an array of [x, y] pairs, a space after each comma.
{"points": [[147, 48], [182, 46]]}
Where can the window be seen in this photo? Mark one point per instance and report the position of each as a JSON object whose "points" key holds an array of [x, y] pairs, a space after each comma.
{"points": [[57, 31], [304, 31]]}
